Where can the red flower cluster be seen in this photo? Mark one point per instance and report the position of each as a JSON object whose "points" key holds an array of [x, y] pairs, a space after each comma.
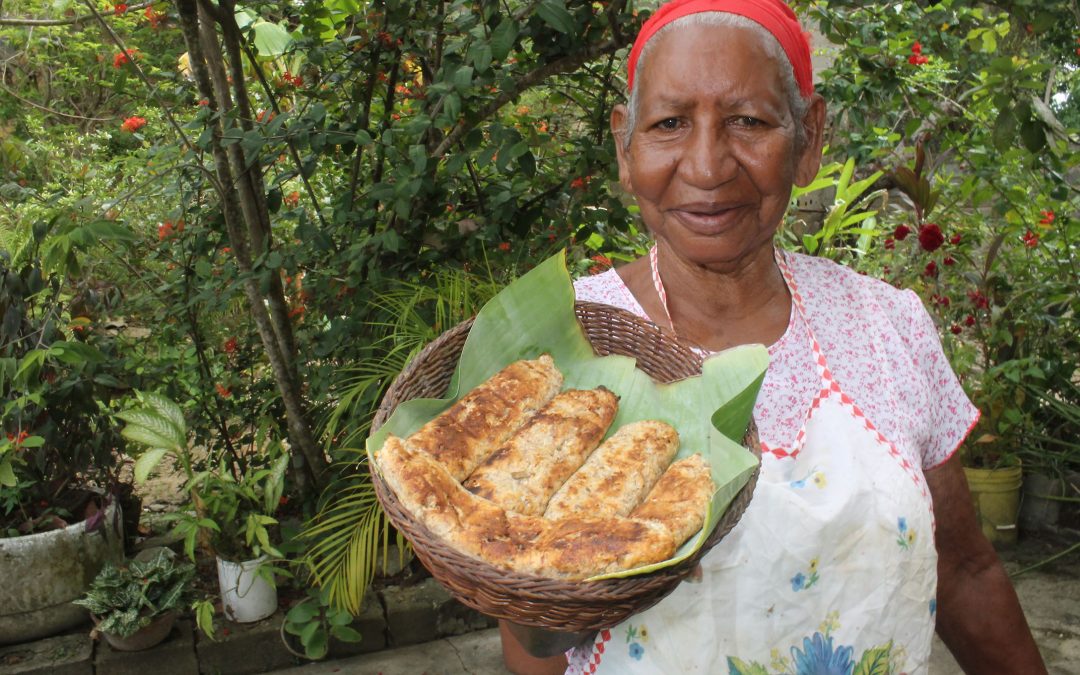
{"points": [[230, 346], [388, 40], [505, 246], [955, 239], [290, 79], [979, 300], [292, 199], [931, 269], [164, 231], [1047, 218], [119, 8], [580, 183], [901, 232], [133, 124], [155, 18], [917, 58], [264, 116], [17, 440], [941, 300], [890, 243], [930, 237], [969, 320], [948, 261], [204, 102], [1031, 240], [222, 390], [124, 57], [602, 262], [956, 329]]}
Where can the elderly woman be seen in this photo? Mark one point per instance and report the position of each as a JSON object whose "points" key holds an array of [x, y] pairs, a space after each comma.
{"points": [[861, 536]]}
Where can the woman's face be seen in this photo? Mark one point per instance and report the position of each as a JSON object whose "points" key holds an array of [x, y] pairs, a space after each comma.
{"points": [[712, 158]]}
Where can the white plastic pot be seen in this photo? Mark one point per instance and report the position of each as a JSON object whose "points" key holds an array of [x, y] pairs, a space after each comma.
{"points": [[245, 595]]}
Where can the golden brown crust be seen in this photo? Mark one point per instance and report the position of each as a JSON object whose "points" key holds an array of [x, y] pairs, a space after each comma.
{"points": [[580, 547], [680, 498], [481, 420], [618, 475], [573, 548], [524, 473]]}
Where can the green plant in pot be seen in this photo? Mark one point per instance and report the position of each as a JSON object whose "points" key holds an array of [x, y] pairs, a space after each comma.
{"points": [[232, 515], [59, 375], [135, 605]]}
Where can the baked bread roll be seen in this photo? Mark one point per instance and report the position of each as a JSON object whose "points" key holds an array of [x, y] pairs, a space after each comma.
{"points": [[680, 498], [483, 419], [617, 476], [572, 549], [524, 473]]}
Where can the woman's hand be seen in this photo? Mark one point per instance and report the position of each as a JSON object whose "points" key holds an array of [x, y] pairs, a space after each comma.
{"points": [[978, 615]]}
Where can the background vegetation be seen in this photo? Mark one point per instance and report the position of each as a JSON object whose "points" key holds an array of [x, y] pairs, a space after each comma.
{"points": [[261, 210]]}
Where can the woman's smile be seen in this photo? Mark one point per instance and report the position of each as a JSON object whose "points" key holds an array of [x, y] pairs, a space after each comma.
{"points": [[709, 218]]}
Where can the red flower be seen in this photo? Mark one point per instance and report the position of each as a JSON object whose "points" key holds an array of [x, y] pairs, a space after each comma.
{"points": [[226, 249], [916, 48], [941, 300], [264, 115], [297, 311], [1047, 217], [979, 300], [930, 237], [119, 8], [890, 243], [602, 260], [955, 239], [969, 320], [229, 346], [223, 391], [292, 199], [901, 232], [1031, 240], [949, 261], [283, 501], [931, 269], [133, 124], [505, 246], [164, 231], [124, 56], [579, 183], [956, 329], [17, 440], [204, 102], [155, 18]]}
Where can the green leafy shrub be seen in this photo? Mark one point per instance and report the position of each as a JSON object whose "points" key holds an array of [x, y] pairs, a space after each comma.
{"points": [[127, 598]]}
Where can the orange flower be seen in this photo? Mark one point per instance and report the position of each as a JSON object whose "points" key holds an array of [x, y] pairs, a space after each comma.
{"points": [[164, 231], [292, 199], [133, 124], [505, 246], [222, 390]]}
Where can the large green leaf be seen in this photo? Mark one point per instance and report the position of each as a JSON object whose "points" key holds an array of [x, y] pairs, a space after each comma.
{"points": [[535, 314]]}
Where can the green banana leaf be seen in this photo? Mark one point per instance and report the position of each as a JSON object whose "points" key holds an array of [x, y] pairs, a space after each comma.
{"points": [[535, 315]]}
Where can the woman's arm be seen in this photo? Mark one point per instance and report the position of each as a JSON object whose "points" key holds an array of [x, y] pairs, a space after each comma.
{"points": [[978, 615]]}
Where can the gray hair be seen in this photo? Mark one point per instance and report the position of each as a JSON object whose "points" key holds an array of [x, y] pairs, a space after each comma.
{"points": [[797, 103]]}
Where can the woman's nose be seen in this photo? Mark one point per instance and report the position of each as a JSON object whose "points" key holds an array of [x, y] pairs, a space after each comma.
{"points": [[709, 160]]}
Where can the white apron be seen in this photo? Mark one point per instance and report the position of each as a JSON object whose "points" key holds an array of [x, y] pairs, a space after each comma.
{"points": [[832, 568]]}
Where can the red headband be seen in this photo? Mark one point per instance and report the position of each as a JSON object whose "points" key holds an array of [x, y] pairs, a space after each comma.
{"points": [[773, 15]]}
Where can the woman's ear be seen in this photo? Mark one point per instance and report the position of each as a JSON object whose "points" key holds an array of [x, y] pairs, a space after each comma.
{"points": [[809, 159], [619, 131]]}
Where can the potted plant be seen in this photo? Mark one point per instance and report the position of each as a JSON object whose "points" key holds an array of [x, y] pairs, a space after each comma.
{"points": [[233, 506], [135, 605], [58, 444]]}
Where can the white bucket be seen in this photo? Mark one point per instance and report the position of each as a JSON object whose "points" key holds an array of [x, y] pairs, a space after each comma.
{"points": [[245, 595]]}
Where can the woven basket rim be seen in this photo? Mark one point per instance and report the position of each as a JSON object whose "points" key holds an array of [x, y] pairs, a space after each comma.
{"points": [[590, 604]]}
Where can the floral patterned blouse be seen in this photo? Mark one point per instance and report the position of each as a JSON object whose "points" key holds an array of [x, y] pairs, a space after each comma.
{"points": [[883, 348]]}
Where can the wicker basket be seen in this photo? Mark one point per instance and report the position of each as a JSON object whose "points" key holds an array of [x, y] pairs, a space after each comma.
{"points": [[535, 601]]}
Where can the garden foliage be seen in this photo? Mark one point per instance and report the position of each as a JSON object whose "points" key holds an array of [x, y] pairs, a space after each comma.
{"points": [[284, 201]]}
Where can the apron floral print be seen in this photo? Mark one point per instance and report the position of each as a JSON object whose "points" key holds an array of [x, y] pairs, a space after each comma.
{"points": [[832, 568]]}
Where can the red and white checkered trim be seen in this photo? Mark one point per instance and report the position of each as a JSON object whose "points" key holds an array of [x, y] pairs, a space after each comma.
{"points": [[602, 638], [830, 386]]}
